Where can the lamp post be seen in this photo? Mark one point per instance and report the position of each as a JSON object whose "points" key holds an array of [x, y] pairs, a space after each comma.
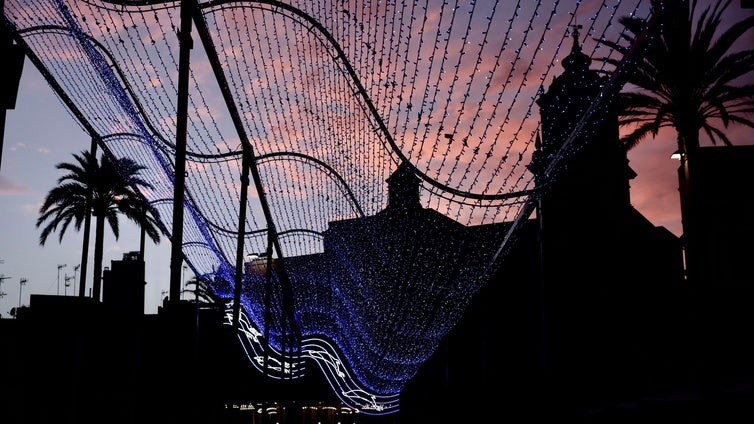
{"points": [[67, 283], [75, 270], [21, 284], [2, 278], [60, 266], [183, 280]]}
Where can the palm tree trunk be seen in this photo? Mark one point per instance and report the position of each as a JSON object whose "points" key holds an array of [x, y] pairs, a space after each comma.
{"points": [[85, 255], [143, 236], [99, 242], [87, 231], [689, 140]]}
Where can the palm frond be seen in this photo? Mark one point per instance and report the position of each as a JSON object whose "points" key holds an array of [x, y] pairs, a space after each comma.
{"points": [[688, 76]]}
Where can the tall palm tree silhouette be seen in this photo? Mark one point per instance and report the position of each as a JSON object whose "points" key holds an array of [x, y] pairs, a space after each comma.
{"points": [[690, 78], [686, 78], [104, 189]]}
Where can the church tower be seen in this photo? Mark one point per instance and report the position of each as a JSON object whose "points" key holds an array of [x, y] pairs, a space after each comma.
{"points": [[580, 132], [403, 189], [582, 176]]}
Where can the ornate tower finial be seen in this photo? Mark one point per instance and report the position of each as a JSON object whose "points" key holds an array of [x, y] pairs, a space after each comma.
{"points": [[576, 60], [576, 46]]}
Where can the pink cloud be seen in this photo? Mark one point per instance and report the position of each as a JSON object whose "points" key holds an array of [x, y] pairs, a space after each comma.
{"points": [[11, 188]]}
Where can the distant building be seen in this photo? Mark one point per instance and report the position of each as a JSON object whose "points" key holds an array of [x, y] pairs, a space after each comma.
{"points": [[720, 213]]}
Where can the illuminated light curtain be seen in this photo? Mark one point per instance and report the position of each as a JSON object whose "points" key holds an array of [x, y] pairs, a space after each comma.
{"points": [[453, 83]]}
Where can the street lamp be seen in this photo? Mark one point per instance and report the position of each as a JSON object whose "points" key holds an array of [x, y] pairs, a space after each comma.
{"points": [[67, 283], [21, 284], [183, 280], [60, 266], [2, 278], [75, 269]]}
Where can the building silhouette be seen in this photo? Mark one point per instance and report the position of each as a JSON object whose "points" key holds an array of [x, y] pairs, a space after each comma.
{"points": [[722, 283], [69, 359], [591, 318], [10, 77]]}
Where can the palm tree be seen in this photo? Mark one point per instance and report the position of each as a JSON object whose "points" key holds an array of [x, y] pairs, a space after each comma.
{"points": [[104, 189], [689, 78]]}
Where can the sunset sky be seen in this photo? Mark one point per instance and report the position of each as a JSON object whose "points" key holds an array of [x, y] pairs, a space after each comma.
{"points": [[41, 133]]}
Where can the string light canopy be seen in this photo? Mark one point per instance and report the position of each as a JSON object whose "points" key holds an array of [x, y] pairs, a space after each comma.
{"points": [[330, 99]]}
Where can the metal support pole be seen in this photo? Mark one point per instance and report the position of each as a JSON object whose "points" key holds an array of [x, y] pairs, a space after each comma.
{"points": [[287, 292], [179, 182], [245, 164], [60, 266], [267, 294]]}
